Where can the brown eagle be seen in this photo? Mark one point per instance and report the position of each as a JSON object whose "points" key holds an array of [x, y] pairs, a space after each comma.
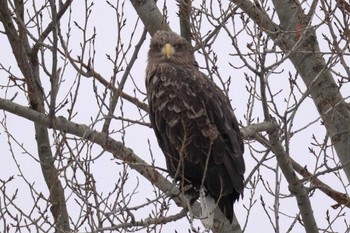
{"points": [[193, 122]]}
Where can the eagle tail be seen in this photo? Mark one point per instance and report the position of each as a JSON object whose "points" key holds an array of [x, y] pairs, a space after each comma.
{"points": [[226, 206]]}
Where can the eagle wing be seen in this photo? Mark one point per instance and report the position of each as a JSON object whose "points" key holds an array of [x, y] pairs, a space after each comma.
{"points": [[196, 129], [228, 147], [194, 122]]}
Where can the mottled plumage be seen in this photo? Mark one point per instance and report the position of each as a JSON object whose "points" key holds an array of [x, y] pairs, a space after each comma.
{"points": [[194, 122]]}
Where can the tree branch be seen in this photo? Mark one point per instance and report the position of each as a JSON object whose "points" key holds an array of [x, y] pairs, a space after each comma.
{"points": [[184, 14], [308, 60], [150, 15], [115, 95], [340, 198], [295, 186], [29, 66], [51, 26], [123, 153]]}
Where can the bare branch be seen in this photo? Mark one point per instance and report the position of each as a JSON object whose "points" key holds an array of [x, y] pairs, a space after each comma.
{"points": [[150, 15], [295, 186], [119, 151], [116, 94]]}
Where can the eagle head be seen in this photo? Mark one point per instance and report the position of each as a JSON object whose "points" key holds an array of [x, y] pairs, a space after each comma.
{"points": [[167, 45]]}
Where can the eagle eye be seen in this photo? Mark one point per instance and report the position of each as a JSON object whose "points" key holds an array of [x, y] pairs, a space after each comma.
{"points": [[178, 46]]}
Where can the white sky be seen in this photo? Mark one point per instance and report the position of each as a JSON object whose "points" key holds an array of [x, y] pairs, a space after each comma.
{"points": [[105, 169]]}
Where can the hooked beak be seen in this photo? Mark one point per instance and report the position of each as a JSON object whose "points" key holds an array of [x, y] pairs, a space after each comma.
{"points": [[168, 50]]}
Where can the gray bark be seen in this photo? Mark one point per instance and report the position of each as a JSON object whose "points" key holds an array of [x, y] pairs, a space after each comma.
{"points": [[298, 39], [312, 67], [29, 66], [150, 15], [221, 224]]}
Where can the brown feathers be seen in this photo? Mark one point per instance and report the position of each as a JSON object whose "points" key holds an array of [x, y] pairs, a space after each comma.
{"points": [[193, 122]]}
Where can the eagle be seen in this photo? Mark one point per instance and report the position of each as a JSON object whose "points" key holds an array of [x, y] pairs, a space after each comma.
{"points": [[194, 123]]}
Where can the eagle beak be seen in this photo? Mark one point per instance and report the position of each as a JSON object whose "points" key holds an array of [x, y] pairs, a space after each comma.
{"points": [[168, 50]]}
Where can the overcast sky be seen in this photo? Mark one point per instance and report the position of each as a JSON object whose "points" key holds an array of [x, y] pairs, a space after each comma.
{"points": [[105, 168]]}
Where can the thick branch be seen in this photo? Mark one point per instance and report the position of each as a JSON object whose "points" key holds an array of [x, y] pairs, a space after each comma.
{"points": [[308, 60], [29, 66], [295, 186], [323, 89], [120, 152], [253, 129], [150, 15], [340, 198], [184, 15]]}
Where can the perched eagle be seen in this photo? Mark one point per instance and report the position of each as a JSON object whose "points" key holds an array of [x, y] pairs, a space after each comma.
{"points": [[193, 122]]}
